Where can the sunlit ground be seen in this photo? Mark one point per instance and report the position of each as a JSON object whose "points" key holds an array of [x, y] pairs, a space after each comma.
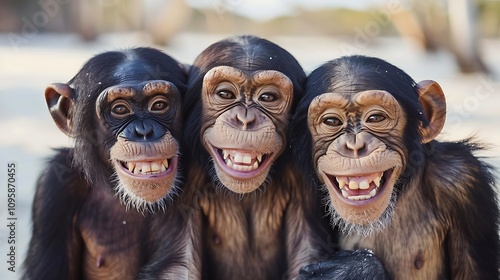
{"points": [[27, 132]]}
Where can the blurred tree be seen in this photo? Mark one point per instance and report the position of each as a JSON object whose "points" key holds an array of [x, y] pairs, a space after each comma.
{"points": [[452, 25], [464, 37], [164, 19]]}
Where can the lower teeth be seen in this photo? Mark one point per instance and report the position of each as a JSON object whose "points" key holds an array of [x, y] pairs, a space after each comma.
{"points": [[359, 197]]}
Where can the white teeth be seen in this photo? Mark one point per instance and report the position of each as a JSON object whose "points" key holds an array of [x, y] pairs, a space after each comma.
{"points": [[239, 167], [364, 185], [255, 165], [247, 158], [353, 185], [147, 167], [359, 182], [241, 161], [238, 158], [259, 158], [359, 197], [155, 166], [345, 194]]}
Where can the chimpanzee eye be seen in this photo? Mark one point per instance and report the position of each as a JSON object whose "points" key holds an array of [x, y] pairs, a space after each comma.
{"points": [[225, 94], [375, 118], [331, 121], [120, 110], [159, 106], [268, 97]]}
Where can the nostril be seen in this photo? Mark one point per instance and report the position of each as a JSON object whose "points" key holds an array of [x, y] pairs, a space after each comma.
{"points": [[356, 146], [142, 132], [246, 120], [147, 130], [362, 150]]}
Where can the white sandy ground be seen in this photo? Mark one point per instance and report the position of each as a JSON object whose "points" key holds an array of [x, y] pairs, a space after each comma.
{"points": [[27, 132]]}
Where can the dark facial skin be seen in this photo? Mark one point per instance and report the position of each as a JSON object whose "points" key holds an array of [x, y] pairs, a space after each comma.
{"points": [[96, 209], [145, 154]]}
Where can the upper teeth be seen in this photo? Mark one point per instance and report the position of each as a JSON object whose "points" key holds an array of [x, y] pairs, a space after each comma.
{"points": [[147, 167], [241, 161], [359, 182]]}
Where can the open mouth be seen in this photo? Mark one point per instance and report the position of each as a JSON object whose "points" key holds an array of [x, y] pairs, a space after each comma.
{"points": [[360, 187], [149, 169], [241, 163]]}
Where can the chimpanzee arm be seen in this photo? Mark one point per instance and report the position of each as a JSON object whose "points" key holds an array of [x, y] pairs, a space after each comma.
{"points": [[54, 249], [302, 243], [473, 246], [173, 244]]}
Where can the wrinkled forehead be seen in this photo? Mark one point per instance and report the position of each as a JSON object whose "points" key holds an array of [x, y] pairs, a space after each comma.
{"points": [[224, 73], [342, 100], [130, 90]]}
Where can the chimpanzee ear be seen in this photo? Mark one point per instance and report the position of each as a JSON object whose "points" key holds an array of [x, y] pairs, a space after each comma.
{"points": [[434, 105], [59, 98]]}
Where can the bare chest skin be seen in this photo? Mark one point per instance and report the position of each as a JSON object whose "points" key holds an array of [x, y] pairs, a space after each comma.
{"points": [[111, 238], [245, 237], [412, 246]]}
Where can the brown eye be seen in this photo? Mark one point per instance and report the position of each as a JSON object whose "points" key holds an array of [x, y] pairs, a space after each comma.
{"points": [[375, 118], [268, 97], [332, 121], [120, 110], [225, 94], [159, 106]]}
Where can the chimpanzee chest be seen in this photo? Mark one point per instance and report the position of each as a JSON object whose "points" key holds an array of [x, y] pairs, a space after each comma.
{"points": [[412, 246], [111, 239], [241, 244]]}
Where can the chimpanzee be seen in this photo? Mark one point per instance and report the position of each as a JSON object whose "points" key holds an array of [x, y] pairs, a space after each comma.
{"points": [[255, 208], [95, 212], [428, 209]]}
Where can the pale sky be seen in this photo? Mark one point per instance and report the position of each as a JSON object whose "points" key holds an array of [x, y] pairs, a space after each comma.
{"points": [[266, 9]]}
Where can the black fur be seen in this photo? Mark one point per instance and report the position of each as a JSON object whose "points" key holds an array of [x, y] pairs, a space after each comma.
{"points": [[456, 189], [75, 193]]}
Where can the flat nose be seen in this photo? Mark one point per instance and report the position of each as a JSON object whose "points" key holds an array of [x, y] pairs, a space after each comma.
{"points": [[143, 131], [355, 145], [245, 118]]}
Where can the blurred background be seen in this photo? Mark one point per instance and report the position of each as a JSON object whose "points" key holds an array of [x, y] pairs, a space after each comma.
{"points": [[456, 43]]}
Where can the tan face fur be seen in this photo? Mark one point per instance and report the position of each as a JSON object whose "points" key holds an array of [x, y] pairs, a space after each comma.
{"points": [[244, 119], [358, 169]]}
